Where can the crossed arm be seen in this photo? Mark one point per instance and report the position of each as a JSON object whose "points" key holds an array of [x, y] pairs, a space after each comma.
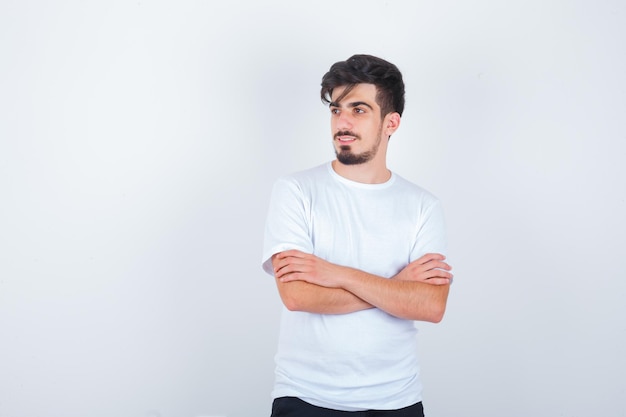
{"points": [[309, 283]]}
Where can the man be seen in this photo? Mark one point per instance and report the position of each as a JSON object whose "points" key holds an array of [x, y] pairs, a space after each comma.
{"points": [[356, 252]]}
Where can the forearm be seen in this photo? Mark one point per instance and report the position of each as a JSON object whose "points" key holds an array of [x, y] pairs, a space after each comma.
{"points": [[418, 292], [404, 299], [304, 296]]}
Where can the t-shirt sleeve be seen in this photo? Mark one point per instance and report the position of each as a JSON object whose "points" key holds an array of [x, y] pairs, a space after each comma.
{"points": [[287, 223], [431, 234]]}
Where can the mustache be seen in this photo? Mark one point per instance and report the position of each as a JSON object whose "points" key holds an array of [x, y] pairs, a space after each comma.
{"points": [[346, 133]]}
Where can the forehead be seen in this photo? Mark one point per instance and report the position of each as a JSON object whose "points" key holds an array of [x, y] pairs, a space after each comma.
{"points": [[359, 93]]}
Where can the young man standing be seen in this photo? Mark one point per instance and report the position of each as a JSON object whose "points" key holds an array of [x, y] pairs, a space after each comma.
{"points": [[356, 252]]}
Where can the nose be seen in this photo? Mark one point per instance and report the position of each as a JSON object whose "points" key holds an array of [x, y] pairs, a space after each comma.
{"points": [[343, 121]]}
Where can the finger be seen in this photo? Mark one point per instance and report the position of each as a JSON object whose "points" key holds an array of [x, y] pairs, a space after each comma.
{"points": [[280, 260], [292, 265], [279, 272], [439, 265], [442, 274], [291, 260], [430, 257], [436, 273], [428, 269], [433, 264], [438, 281], [295, 276], [429, 274], [288, 268]]}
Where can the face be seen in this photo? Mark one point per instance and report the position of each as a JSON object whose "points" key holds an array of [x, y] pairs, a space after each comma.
{"points": [[356, 124]]}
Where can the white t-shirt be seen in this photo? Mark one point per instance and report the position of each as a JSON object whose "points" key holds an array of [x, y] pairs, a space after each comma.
{"points": [[367, 359]]}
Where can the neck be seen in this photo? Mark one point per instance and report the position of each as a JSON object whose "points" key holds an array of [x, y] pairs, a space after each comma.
{"points": [[367, 173]]}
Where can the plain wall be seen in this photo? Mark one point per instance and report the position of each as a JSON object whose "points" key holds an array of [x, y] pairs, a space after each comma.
{"points": [[139, 141]]}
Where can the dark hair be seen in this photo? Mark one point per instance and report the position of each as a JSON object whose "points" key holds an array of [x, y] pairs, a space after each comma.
{"points": [[371, 70]]}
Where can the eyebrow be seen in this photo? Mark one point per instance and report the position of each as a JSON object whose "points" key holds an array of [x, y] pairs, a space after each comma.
{"points": [[353, 104]]}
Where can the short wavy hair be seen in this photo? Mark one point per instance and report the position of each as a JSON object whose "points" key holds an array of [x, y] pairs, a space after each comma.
{"points": [[359, 69]]}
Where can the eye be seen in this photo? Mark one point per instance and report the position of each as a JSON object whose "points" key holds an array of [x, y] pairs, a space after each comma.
{"points": [[359, 110], [334, 110]]}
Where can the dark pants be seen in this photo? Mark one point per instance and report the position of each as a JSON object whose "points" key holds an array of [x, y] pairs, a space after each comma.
{"points": [[295, 407]]}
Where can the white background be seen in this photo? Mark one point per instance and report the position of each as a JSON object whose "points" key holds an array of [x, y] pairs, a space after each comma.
{"points": [[139, 141]]}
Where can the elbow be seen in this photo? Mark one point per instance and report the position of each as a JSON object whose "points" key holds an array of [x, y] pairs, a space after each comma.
{"points": [[292, 301], [293, 296], [437, 316], [291, 304], [437, 313]]}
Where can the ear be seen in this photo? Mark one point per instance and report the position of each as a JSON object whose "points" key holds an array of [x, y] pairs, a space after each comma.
{"points": [[392, 123]]}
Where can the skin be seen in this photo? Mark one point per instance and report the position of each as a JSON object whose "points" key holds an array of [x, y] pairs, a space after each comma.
{"points": [[309, 283], [359, 114]]}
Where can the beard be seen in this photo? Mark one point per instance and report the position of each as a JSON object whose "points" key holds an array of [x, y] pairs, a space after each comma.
{"points": [[347, 157]]}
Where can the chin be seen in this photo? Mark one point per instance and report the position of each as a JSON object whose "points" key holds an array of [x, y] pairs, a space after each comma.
{"points": [[349, 158]]}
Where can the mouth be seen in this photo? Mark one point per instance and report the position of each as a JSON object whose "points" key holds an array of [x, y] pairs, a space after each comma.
{"points": [[346, 137]]}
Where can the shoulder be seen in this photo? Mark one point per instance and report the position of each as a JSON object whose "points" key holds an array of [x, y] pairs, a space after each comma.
{"points": [[304, 179], [414, 191], [302, 185]]}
